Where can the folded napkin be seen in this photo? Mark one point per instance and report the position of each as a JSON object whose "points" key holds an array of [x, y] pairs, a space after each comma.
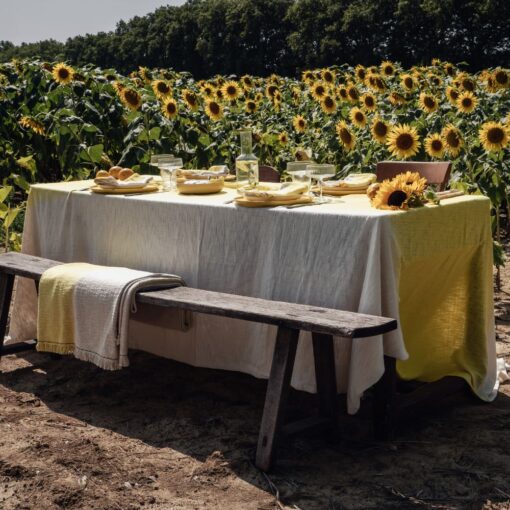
{"points": [[135, 181], [214, 171], [283, 191], [353, 181], [84, 309]]}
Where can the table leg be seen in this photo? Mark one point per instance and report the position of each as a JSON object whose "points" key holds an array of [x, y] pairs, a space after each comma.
{"points": [[384, 408], [276, 395], [6, 285], [324, 357]]}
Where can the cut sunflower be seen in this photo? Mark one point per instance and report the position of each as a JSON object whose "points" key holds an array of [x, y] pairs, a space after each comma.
{"points": [[169, 108], [403, 141], [453, 140], [328, 104], [358, 117], [414, 180], [428, 103], [393, 195], [379, 130], [131, 98], [63, 74], [494, 136], [434, 145], [466, 102], [299, 123], [213, 110], [345, 136]]}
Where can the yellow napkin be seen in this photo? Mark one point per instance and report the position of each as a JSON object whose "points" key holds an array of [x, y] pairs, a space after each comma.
{"points": [[353, 181]]}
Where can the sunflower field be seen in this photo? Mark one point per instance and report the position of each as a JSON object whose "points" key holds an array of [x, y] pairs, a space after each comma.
{"points": [[60, 122]]}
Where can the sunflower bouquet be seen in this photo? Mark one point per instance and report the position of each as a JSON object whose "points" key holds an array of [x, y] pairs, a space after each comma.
{"points": [[404, 191]]}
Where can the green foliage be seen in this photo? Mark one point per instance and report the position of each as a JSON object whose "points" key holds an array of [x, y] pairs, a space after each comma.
{"points": [[260, 37]]}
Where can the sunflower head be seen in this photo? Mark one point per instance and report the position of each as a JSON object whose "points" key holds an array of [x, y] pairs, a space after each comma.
{"points": [[449, 69], [161, 88], [428, 103], [345, 136], [387, 68], [190, 98], [231, 90], [452, 94], [379, 130], [169, 108], [403, 141], [250, 106], [396, 99], [247, 82], [283, 138], [213, 110], [466, 102], [358, 117], [131, 98], [328, 75], [342, 93], [360, 73], [328, 104], [392, 195], [32, 124], [63, 73], [435, 145], [501, 78], [207, 90], [308, 77], [352, 93], [299, 123], [408, 82], [368, 101], [494, 136], [318, 90], [453, 140], [414, 180], [271, 90]]}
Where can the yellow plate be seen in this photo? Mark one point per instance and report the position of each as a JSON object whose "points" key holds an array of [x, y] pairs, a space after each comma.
{"points": [[148, 188], [208, 187], [272, 203]]}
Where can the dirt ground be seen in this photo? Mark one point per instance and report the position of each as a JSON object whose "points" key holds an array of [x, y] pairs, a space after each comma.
{"points": [[162, 435]]}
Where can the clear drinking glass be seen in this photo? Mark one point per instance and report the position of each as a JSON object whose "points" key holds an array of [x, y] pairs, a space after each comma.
{"points": [[321, 172], [155, 158], [299, 173], [167, 168]]}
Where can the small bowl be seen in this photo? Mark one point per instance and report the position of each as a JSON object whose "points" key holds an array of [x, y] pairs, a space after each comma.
{"points": [[199, 186]]}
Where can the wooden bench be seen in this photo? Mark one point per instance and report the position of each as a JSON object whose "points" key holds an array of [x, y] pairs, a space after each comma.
{"points": [[290, 318]]}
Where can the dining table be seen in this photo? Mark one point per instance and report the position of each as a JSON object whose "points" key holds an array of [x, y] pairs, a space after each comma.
{"points": [[429, 267]]}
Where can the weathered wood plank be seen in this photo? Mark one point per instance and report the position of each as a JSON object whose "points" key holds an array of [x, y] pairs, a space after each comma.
{"points": [[276, 395], [325, 375], [6, 285], [20, 264], [309, 318]]}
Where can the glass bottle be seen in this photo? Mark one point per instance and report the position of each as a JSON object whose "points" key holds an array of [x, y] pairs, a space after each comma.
{"points": [[247, 164]]}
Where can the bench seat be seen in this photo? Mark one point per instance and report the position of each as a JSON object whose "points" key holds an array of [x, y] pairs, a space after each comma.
{"points": [[291, 318]]}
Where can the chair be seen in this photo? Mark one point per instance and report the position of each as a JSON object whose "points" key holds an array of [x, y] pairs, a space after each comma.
{"points": [[268, 174], [436, 172]]}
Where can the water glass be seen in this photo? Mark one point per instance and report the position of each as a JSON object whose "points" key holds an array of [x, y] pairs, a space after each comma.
{"points": [[321, 172], [299, 173], [167, 168], [155, 158]]}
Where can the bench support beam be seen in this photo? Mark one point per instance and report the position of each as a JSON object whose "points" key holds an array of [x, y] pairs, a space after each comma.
{"points": [[276, 395]]}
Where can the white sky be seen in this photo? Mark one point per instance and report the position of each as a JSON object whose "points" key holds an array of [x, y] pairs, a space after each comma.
{"points": [[34, 20]]}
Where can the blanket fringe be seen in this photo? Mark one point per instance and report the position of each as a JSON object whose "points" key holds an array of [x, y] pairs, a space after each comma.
{"points": [[104, 363], [56, 348]]}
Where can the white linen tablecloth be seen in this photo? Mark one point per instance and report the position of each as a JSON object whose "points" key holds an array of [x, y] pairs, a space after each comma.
{"points": [[341, 255]]}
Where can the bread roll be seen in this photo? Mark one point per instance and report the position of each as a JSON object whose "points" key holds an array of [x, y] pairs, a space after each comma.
{"points": [[114, 171], [102, 173], [125, 173]]}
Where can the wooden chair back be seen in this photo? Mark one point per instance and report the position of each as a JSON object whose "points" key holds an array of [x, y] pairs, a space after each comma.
{"points": [[437, 173], [268, 174]]}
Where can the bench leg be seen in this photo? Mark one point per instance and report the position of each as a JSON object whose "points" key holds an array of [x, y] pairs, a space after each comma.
{"points": [[325, 376], [6, 285], [385, 401], [276, 395]]}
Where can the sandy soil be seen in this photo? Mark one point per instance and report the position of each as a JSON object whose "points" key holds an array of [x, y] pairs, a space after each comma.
{"points": [[162, 435]]}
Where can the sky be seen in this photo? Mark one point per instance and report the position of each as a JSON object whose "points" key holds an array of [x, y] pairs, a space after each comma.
{"points": [[35, 20]]}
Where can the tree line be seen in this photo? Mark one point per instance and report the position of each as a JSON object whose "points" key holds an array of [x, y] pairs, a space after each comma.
{"points": [[208, 37]]}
